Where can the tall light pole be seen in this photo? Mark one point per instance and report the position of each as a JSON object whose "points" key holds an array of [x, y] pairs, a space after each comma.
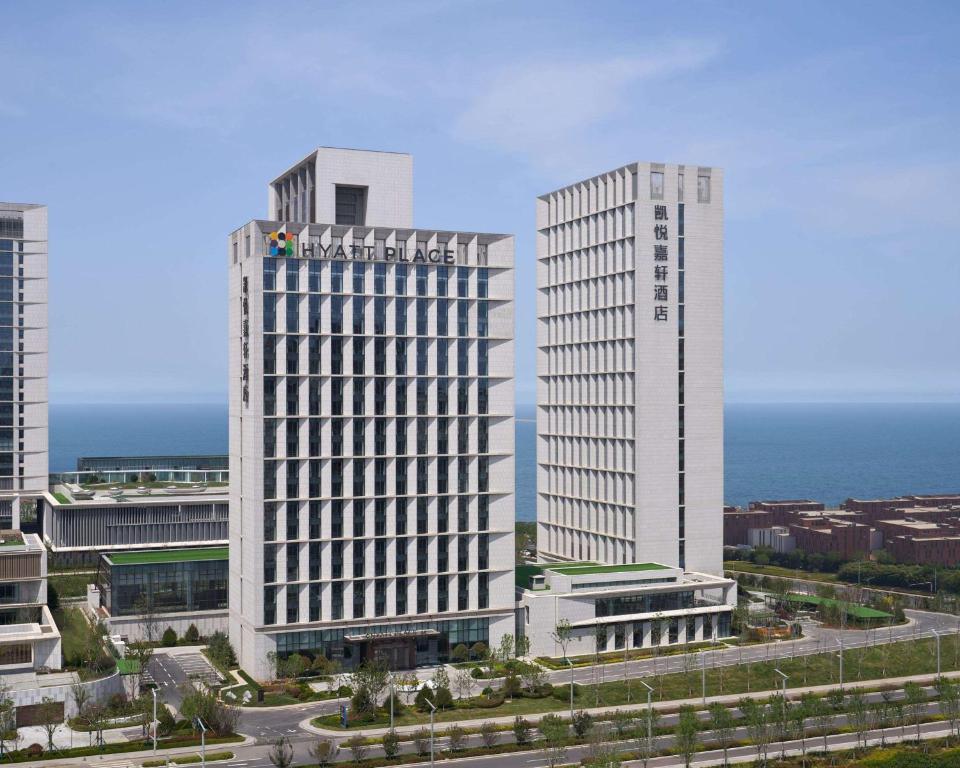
{"points": [[936, 634], [703, 676], [203, 741], [571, 686], [840, 641], [432, 710], [393, 693], [785, 678], [154, 692], [649, 715]]}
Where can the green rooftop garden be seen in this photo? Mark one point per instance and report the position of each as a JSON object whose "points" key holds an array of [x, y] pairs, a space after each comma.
{"points": [[580, 569], [151, 557], [857, 611], [522, 574]]}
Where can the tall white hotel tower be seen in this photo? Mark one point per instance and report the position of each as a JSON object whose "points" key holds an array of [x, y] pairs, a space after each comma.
{"points": [[371, 423], [630, 368]]}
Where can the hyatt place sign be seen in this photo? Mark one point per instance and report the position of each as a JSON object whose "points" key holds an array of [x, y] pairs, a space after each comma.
{"points": [[284, 244]]}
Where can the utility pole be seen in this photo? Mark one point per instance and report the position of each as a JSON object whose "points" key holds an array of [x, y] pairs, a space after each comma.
{"points": [[785, 678], [703, 676], [936, 634], [571, 686]]}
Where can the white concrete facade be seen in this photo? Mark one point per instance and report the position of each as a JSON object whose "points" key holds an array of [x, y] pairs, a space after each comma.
{"points": [[630, 368], [614, 608], [371, 426], [23, 359]]}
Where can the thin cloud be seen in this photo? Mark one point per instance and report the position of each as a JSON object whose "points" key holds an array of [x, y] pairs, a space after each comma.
{"points": [[538, 107]]}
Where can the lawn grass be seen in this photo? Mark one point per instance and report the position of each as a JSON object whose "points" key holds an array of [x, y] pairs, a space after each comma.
{"points": [[74, 631], [188, 759], [71, 584], [912, 657], [169, 556], [776, 570]]}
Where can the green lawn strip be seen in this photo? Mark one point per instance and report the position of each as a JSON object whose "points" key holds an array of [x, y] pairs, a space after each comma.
{"points": [[169, 556], [188, 759], [71, 584], [775, 570], [615, 657], [61, 497], [914, 657], [117, 748]]}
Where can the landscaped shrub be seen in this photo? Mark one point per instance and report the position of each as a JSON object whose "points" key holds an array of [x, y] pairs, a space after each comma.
{"points": [[476, 673], [192, 635], [169, 638], [562, 692], [345, 692]]}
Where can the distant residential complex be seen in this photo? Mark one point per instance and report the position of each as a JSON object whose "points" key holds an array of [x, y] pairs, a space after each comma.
{"points": [[923, 529], [371, 423]]}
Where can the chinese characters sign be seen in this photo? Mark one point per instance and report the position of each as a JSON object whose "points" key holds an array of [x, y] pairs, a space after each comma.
{"points": [[661, 259]]}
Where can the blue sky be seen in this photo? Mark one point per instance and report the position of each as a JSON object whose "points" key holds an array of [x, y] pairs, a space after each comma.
{"points": [[151, 130]]}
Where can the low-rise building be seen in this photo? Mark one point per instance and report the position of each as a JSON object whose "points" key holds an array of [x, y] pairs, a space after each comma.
{"points": [[80, 521], [139, 594], [615, 607], [29, 638]]}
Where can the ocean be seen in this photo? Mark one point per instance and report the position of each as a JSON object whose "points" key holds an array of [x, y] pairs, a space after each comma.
{"points": [[826, 452]]}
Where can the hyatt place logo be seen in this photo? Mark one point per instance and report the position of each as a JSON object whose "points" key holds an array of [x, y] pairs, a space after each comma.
{"points": [[282, 244]]}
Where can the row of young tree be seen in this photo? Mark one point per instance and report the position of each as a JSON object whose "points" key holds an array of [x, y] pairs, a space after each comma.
{"points": [[764, 724]]}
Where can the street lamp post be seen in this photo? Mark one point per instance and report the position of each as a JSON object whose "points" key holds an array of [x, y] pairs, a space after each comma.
{"points": [[393, 693], [840, 641], [649, 715], [785, 678], [571, 685], [432, 710], [154, 692], [203, 741], [936, 634], [703, 676]]}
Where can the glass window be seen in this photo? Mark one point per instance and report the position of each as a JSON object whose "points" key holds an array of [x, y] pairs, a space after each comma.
{"points": [[656, 185], [703, 189]]}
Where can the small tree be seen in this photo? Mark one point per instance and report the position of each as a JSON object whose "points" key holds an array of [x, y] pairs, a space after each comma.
{"points": [[949, 702], [169, 639], [456, 737], [51, 718], [647, 735], [460, 652], [554, 731], [463, 681], [687, 734], [325, 751], [757, 724], [858, 713], [369, 682], [562, 635], [489, 734], [505, 651], [281, 753], [359, 749], [192, 635], [723, 726], [479, 650], [8, 718], [623, 723], [582, 723], [916, 703], [521, 730], [533, 677], [391, 744], [421, 741], [522, 644]]}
